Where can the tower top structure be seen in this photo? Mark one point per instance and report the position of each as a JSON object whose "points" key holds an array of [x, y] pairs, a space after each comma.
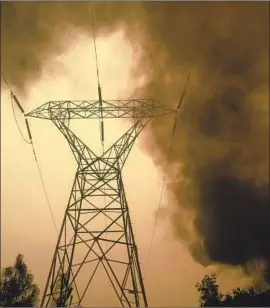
{"points": [[98, 190], [90, 109]]}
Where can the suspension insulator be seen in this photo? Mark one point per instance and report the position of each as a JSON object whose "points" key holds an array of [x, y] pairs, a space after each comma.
{"points": [[99, 94], [28, 129], [102, 131], [17, 102], [174, 125]]}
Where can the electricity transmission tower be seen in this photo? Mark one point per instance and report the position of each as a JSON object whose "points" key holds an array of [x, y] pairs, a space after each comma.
{"points": [[84, 245]]}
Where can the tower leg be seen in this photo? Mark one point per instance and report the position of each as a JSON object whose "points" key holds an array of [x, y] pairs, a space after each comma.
{"points": [[84, 245]]}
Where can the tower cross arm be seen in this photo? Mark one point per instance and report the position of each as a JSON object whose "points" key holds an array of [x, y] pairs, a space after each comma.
{"points": [[87, 109]]}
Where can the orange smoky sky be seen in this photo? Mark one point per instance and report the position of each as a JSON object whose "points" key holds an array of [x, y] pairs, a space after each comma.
{"points": [[216, 203], [27, 226]]}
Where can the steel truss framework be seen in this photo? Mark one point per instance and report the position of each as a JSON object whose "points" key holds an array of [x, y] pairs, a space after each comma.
{"points": [[98, 192]]}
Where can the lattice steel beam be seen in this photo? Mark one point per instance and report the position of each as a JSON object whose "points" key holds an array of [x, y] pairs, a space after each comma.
{"points": [[98, 191], [64, 110]]}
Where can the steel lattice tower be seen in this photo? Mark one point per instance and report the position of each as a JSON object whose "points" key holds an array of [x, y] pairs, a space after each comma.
{"points": [[97, 191]]}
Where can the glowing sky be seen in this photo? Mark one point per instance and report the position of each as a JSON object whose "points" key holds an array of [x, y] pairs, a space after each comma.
{"points": [[170, 274]]}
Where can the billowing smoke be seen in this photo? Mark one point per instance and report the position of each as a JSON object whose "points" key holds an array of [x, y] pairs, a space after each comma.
{"points": [[222, 141], [31, 33]]}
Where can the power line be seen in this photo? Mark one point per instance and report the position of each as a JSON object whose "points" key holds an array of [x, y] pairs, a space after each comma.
{"points": [[94, 38], [44, 188], [100, 103], [13, 97], [168, 162], [97, 69], [161, 197]]}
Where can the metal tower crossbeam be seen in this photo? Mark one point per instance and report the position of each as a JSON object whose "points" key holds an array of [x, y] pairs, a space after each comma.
{"points": [[84, 245], [67, 110]]}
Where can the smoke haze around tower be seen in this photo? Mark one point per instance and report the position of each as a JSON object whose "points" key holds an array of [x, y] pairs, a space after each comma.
{"points": [[222, 143]]}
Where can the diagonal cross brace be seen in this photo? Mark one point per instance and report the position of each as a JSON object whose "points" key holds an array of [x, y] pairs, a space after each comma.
{"points": [[80, 243], [116, 155], [135, 108]]}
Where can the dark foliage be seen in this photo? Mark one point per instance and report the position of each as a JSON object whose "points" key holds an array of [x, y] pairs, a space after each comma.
{"points": [[210, 295], [16, 286]]}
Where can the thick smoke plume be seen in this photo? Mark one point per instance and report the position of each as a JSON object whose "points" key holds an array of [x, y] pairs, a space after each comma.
{"points": [[223, 134]]}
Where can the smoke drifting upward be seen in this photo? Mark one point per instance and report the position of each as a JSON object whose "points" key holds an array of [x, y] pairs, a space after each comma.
{"points": [[223, 135], [223, 142]]}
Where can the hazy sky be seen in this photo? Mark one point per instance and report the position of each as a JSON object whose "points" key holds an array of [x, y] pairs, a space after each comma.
{"points": [[27, 225], [171, 273]]}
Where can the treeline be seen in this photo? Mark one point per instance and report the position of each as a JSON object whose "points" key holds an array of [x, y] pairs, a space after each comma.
{"points": [[211, 297], [17, 289]]}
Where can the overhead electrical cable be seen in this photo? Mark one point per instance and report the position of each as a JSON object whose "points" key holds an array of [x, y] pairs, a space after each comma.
{"points": [[100, 101], [14, 98], [98, 79], [167, 165], [94, 38], [44, 188]]}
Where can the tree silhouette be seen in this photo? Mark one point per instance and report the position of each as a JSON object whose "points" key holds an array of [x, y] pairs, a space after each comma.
{"points": [[210, 295], [209, 291], [16, 286]]}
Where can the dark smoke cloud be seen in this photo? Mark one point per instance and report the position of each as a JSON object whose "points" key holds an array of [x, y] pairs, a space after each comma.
{"points": [[228, 205], [32, 33], [223, 135]]}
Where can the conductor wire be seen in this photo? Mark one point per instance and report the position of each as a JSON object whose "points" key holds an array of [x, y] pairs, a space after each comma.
{"points": [[168, 162], [94, 38], [13, 97]]}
